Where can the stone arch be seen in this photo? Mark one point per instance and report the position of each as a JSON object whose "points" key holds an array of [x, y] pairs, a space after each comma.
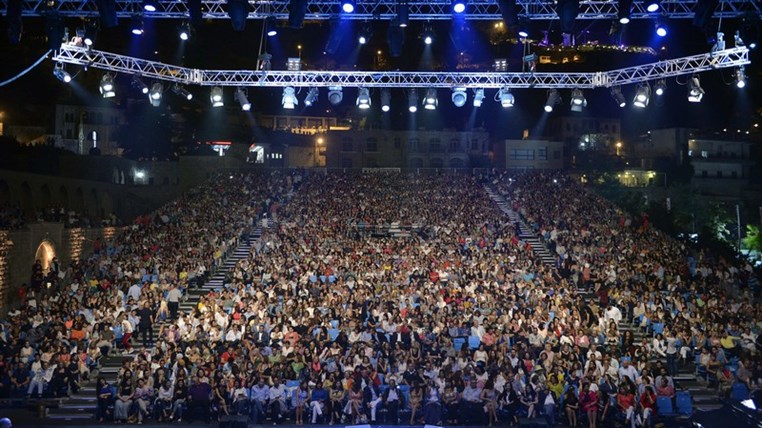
{"points": [[45, 253], [107, 205], [26, 199], [5, 194], [63, 197]]}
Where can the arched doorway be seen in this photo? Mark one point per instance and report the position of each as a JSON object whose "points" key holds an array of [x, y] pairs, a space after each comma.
{"points": [[46, 252], [63, 197], [44, 198]]}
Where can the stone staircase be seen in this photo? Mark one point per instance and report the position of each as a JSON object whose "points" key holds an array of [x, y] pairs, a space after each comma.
{"points": [[81, 406], [525, 233]]}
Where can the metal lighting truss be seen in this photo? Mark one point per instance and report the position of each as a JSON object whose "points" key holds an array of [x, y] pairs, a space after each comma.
{"points": [[70, 54], [385, 9]]}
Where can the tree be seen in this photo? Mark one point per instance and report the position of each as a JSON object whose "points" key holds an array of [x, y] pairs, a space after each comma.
{"points": [[753, 239]]}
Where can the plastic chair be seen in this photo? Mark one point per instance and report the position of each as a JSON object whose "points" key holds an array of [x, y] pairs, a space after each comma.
{"points": [[474, 342], [684, 403], [664, 404], [333, 333]]}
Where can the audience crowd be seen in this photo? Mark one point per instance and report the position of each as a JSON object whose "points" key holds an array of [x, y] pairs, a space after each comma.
{"points": [[462, 324]]}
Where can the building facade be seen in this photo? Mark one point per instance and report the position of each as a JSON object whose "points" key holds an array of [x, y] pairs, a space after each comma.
{"points": [[81, 128], [406, 149], [529, 154]]}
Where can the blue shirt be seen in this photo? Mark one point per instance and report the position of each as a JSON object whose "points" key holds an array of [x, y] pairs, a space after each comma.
{"points": [[319, 394], [260, 393]]}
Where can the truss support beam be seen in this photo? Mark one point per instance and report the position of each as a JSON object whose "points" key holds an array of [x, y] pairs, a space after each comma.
{"points": [[75, 55], [386, 9]]}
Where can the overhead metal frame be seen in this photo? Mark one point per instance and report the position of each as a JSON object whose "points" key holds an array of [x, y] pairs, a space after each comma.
{"points": [[70, 54], [386, 9]]}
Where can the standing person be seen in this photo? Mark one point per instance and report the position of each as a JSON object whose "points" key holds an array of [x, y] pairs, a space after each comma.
{"points": [[146, 324], [589, 401], [127, 330], [173, 300]]}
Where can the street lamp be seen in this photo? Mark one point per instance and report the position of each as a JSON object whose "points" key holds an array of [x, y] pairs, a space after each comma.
{"points": [[618, 147]]}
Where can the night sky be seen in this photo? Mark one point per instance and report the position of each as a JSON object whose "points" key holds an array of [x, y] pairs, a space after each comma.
{"points": [[216, 45]]}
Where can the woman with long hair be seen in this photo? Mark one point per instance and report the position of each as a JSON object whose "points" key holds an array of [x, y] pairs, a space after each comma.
{"points": [[124, 394], [571, 405], [588, 400], [489, 398]]}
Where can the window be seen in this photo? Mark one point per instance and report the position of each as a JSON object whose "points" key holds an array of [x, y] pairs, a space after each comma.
{"points": [[719, 174], [346, 162], [690, 153], [397, 142], [347, 146], [68, 134], [704, 154], [734, 174], [371, 145], [413, 144], [474, 144], [521, 154], [435, 146], [704, 174], [542, 153], [454, 145]]}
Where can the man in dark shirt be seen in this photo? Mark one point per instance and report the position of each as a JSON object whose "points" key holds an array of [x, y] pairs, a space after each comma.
{"points": [[146, 324], [20, 379], [199, 395]]}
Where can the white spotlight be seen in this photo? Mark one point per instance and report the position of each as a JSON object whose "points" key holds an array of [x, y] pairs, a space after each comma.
{"points": [[335, 95], [505, 97], [616, 94], [578, 101], [553, 99], [660, 87], [180, 92], [61, 74], [363, 99], [695, 93], [155, 94], [215, 97], [478, 97], [386, 99], [740, 78], [289, 100], [642, 96], [459, 97], [106, 87], [243, 100], [311, 98], [412, 101], [430, 102]]}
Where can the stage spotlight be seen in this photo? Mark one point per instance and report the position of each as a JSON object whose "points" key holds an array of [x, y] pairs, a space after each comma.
{"points": [[365, 34], [138, 84], [695, 92], [155, 94], [271, 26], [61, 74], [215, 97], [150, 5], [311, 98], [363, 98], [238, 11], [335, 95], [106, 86], [616, 94], [348, 6], [523, 29], [505, 97], [243, 100], [652, 6], [459, 97], [403, 13], [625, 7], [289, 99], [296, 11], [740, 76], [386, 99], [458, 6], [427, 36], [137, 25], [642, 96], [660, 86], [412, 101], [578, 101], [181, 92], [184, 31], [478, 97], [553, 99], [430, 102], [661, 28]]}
